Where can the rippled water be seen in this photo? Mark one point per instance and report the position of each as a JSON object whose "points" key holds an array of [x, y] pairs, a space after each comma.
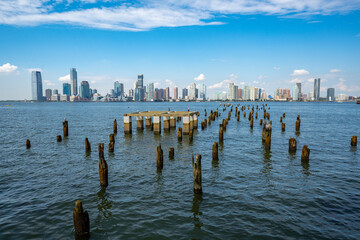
{"points": [[249, 194]]}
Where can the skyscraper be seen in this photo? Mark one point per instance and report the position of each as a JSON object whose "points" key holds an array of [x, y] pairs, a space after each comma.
{"points": [[330, 94], [117, 89], [231, 95], [36, 84], [317, 89], [73, 81], [203, 92], [299, 87], [140, 81], [176, 93], [296, 93], [246, 93], [67, 89], [184, 93], [192, 91], [85, 90], [150, 92], [48, 94], [167, 93], [252, 93]]}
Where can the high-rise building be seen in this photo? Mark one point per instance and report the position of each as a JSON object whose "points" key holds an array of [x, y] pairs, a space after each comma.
{"points": [[131, 92], [246, 93], [317, 89], [140, 81], [118, 89], [185, 93], [231, 95], [252, 93], [192, 91], [257, 93], [139, 94], [330, 94], [55, 91], [67, 89], [73, 81], [48, 94], [296, 93], [299, 87], [239, 93], [150, 92], [203, 92], [85, 90], [176, 93], [36, 85], [236, 88], [167, 93]]}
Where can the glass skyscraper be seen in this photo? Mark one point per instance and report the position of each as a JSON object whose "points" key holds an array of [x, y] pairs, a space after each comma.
{"points": [[330, 94], [36, 85], [296, 93], [67, 89], [140, 81], [73, 81], [118, 89], [85, 90], [317, 89]]}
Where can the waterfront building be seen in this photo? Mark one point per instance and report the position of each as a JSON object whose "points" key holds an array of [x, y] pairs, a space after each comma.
{"points": [[246, 94], [264, 96], [36, 85], [140, 81], [330, 94], [176, 93], [296, 93], [299, 87], [150, 92], [85, 90], [131, 92], [252, 94], [239, 94], [139, 94], [118, 89], [55, 97], [231, 95], [192, 91], [73, 81], [167, 93], [257, 93], [67, 89], [48, 94], [203, 92], [185, 92], [342, 97], [55, 91], [317, 89], [311, 96], [64, 98], [282, 94]]}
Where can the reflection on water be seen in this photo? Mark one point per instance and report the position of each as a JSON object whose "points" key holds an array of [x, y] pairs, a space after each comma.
{"points": [[197, 199], [103, 203], [267, 162], [306, 167]]}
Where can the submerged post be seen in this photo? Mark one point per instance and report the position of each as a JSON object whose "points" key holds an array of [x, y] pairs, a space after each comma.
{"points": [[28, 145], [215, 150], [65, 128], [221, 133], [81, 220], [292, 145], [305, 153], [87, 145], [298, 121], [267, 135], [283, 127], [58, 138], [191, 133], [197, 181], [103, 167], [354, 141], [171, 153], [127, 124], [179, 133], [115, 126], [172, 122], [159, 158], [112, 142]]}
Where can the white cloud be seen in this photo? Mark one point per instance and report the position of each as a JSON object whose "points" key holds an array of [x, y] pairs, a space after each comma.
{"points": [[201, 77], [233, 77], [310, 80], [335, 70], [222, 84], [8, 68], [48, 83], [300, 72], [65, 78], [169, 83], [341, 85], [296, 80], [157, 84], [33, 69]]}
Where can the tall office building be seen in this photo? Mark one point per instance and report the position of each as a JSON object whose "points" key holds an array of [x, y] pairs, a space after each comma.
{"points": [[257, 93], [55, 91], [48, 94], [117, 89], [73, 81], [246, 93], [203, 92], [192, 91], [67, 89], [239, 93], [252, 93], [185, 93], [85, 90], [317, 89], [140, 81], [299, 87], [36, 85], [330, 94], [150, 92], [176, 93], [167, 93], [139, 94], [231, 95], [296, 93]]}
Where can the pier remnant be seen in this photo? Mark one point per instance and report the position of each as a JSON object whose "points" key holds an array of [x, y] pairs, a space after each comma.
{"points": [[157, 125], [186, 125], [112, 142], [261, 122], [81, 220], [115, 126], [87, 145], [171, 153], [28, 145], [103, 166], [298, 121], [267, 136], [58, 138], [191, 133], [292, 145], [305, 153], [65, 128], [354, 141], [179, 133], [147, 121], [197, 181], [139, 123], [127, 124], [215, 150], [172, 122], [166, 121], [159, 158], [283, 127], [221, 133]]}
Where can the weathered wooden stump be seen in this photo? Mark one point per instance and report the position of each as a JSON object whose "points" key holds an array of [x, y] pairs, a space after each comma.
{"points": [[171, 153], [297, 126], [112, 142], [221, 133], [238, 117], [115, 126], [179, 133], [112, 137], [283, 127], [215, 150], [103, 166], [65, 128], [58, 138], [256, 115], [354, 141], [197, 181], [261, 122], [281, 119], [305, 153], [159, 158], [28, 144], [267, 136], [81, 220], [205, 114], [244, 114], [251, 122], [87, 145], [268, 116], [292, 145], [191, 134]]}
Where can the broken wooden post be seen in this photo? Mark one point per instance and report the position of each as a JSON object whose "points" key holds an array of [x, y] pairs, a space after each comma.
{"points": [[261, 122], [191, 135], [256, 115], [305, 153], [139, 123], [205, 113], [103, 167], [115, 126], [186, 125], [148, 122], [157, 125], [252, 122], [179, 133], [283, 127], [159, 158], [281, 119], [81, 220], [268, 116], [238, 117], [209, 120], [215, 149], [171, 153], [244, 114], [87, 145], [28, 145], [292, 145], [127, 124], [354, 141], [112, 142], [65, 128], [172, 122], [267, 136], [283, 115], [197, 181], [221, 133], [297, 125], [58, 138]]}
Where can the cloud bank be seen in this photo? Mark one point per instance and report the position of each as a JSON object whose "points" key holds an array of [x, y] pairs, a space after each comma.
{"points": [[8, 68]]}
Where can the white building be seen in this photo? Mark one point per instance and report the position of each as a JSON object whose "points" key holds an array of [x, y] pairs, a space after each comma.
{"points": [[192, 91]]}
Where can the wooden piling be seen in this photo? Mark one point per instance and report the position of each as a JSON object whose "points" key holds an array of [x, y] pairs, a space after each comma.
{"points": [[261, 122], [179, 133], [197, 181], [238, 117], [354, 141], [103, 166], [81, 220], [215, 150], [244, 114], [267, 136], [305, 153], [292, 145], [58, 138], [283, 115], [65, 128], [281, 119], [28, 144], [251, 122], [191, 133], [159, 158], [111, 143], [115, 126], [171, 153], [283, 127], [87, 145], [221, 133], [297, 126]]}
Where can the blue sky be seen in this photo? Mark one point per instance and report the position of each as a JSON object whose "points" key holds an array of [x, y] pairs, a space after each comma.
{"points": [[269, 44]]}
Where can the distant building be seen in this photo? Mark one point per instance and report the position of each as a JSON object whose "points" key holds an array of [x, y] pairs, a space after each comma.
{"points": [[85, 90], [185, 93], [231, 95], [55, 91], [299, 87], [48, 94], [150, 92], [342, 97], [140, 81], [317, 89], [131, 92], [246, 93], [203, 92], [55, 97], [252, 94], [67, 89], [176, 93], [330, 94], [139, 94], [64, 98], [167, 93], [73, 81], [282, 94], [311, 96], [296, 93], [36, 85], [239, 94], [192, 91], [118, 89]]}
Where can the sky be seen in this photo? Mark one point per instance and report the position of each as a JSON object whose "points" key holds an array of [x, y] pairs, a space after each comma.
{"points": [[264, 43]]}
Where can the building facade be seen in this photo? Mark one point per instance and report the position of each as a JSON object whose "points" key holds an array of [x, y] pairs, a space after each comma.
{"points": [[176, 93], [317, 89], [73, 81], [330, 94], [36, 85], [85, 90], [67, 89]]}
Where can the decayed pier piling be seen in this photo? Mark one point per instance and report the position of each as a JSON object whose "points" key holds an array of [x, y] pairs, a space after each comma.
{"points": [[81, 220], [283, 127], [115, 126], [179, 133], [159, 158], [112, 142], [221, 133], [65, 128], [197, 180], [58, 138], [28, 144], [354, 141], [103, 166], [87, 145], [305, 154], [127, 124], [292, 145], [297, 125], [171, 153], [215, 149]]}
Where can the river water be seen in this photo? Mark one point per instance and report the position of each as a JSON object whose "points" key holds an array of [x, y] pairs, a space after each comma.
{"points": [[249, 194]]}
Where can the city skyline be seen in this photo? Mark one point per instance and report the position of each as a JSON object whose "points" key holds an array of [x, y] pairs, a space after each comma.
{"points": [[272, 45]]}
